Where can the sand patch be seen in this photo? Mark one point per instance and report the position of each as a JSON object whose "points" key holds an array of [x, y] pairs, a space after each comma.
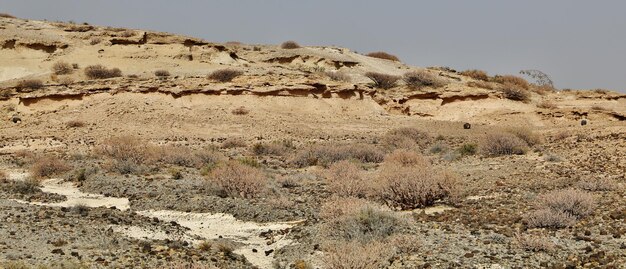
{"points": [[76, 197]]}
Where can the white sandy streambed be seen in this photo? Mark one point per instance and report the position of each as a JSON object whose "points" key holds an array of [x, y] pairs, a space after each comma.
{"points": [[257, 249]]}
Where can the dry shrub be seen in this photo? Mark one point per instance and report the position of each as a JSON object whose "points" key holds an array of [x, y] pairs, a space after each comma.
{"points": [[5, 94], [498, 144], [515, 93], [234, 142], [383, 55], [355, 220], [561, 208], [419, 79], [275, 148], [411, 187], [162, 73], [597, 184], [3, 177], [338, 76], [30, 84], [173, 155], [383, 81], [66, 81], [48, 166], [547, 218], [101, 72], [535, 243], [127, 149], [225, 75], [289, 45], [75, 124], [355, 255], [239, 180], [476, 74], [7, 15], [27, 186], [481, 84], [571, 201], [405, 158], [547, 105], [327, 154], [527, 135], [62, 68], [406, 138], [346, 178], [512, 80], [242, 110]]}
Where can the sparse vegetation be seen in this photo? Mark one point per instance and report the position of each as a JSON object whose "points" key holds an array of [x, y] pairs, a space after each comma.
{"points": [[242, 110], [512, 80], [289, 45], [419, 79], [101, 72], [468, 149], [234, 142], [383, 81], [225, 75], [498, 144], [30, 84], [62, 68], [276, 148], [515, 93], [238, 180], [547, 105], [47, 166], [561, 208], [523, 133], [383, 55], [414, 186], [161, 73], [406, 138], [327, 154], [346, 178], [338, 76], [535, 243], [75, 124], [476, 74]]}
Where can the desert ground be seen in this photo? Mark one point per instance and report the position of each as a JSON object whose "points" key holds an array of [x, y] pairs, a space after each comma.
{"points": [[124, 148]]}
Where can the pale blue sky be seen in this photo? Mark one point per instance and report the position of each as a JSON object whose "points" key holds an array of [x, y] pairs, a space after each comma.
{"points": [[580, 43]]}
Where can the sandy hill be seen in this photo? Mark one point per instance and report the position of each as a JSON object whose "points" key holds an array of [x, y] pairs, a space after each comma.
{"points": [[123, 148]]}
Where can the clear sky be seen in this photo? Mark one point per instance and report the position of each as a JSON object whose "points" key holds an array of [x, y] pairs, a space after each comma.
{"points": [[579, 43]]}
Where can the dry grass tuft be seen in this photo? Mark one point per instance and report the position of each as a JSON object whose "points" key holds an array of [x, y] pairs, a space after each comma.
{"points": [[512, 80], [347, 179], [415, 184], [276, 148], [383, 55], [327, 154], [405, 158], [338, 76], [406, 138], [289, 45], [234, 142], [101, 72], [535, 243], [7, 15], [225, 75], [498, 144], [242, 110], [527, 135], [547, 105], [351, 255], [162, 73], [419, 79], [383, 81], [598, 184], [561, 208], [239, 180], [48, 166], [476, 74], [62, 68], [30, 84], [75, 124], [515, 93]]}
